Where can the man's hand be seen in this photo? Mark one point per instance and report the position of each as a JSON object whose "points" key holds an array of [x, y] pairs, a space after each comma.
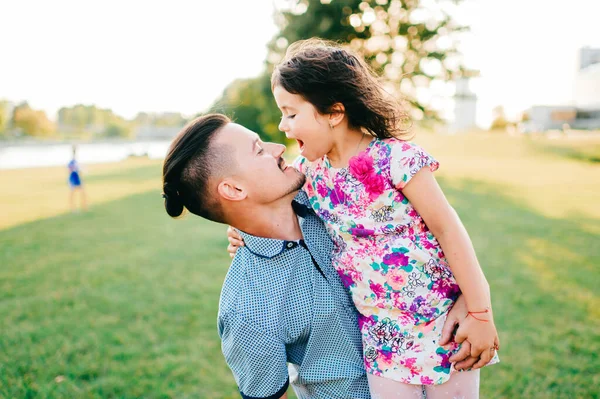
{"points": [[462, 359], [455, 316], [235, 241]]}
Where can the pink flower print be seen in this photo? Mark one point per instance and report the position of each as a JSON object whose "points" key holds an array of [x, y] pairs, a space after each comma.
{"points": [[361, 167], [426, 380], [385, 360], [413, 213], [425, 243], [446, 288], [337, 196], [378, 290], [346, 279], [399, 196], [360, 231], [396, 259], [396, 279], [309, 190], [374, 185], [322, 189], [399, 302], [410, 362]]}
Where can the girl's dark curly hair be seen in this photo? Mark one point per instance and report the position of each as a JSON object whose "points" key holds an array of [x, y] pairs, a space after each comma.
{"points": [[325, 74]]}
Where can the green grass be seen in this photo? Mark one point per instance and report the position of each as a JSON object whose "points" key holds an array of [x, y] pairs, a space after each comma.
{"points": [[121, 301], [587, 149]]}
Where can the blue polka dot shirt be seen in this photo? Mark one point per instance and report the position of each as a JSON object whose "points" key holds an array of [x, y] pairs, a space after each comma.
{"points": [[285, 318]]}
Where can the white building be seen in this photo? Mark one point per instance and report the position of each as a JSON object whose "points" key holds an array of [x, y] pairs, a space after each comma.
{"points": [[584, 113], [587, 81], [465, 106]]}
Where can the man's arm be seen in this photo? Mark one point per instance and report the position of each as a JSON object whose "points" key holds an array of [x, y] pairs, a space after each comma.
{"points": [[256, 358]]}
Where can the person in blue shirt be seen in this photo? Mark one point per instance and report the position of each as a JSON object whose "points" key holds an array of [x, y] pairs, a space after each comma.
{"points": [[285, 317], [75, 183]]}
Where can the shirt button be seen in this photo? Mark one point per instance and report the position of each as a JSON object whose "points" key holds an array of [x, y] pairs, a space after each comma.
{"points": [[290, 245]]}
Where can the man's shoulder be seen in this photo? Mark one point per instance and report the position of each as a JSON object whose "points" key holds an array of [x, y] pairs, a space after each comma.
{"points": [[255, 287]]}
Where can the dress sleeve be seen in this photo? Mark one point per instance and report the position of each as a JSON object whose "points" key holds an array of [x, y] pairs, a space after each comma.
{"points": [[256, 358], [406, 160], [300, 164]]}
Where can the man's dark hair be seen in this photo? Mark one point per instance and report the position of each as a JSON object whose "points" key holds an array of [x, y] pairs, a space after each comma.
{"points": [[192, 161]]}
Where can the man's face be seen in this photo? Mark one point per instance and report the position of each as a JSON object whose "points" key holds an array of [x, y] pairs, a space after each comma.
{"points": [[260, 169]]}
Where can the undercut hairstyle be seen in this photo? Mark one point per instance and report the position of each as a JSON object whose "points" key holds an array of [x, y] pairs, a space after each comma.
{"points": [[324, 74], [191, 165]]}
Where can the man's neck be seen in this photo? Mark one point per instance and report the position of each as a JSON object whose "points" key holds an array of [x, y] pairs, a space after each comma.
{"points": [[276, 220]]}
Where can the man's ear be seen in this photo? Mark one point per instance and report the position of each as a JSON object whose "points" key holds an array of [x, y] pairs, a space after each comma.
{"points": [[230, 190], [336, 114]]}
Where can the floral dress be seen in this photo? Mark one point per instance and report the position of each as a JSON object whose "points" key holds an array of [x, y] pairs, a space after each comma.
{"points": [[389, 260]]}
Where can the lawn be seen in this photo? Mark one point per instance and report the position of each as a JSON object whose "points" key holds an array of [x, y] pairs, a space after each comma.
{"points": [[121, 301]]}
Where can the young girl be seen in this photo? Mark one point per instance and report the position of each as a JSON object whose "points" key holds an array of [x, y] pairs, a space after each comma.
{"points": [[399, 246], [75, 183]]}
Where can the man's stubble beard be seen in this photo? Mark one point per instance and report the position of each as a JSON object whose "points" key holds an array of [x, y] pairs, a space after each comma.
{"points": [[298, 184]]}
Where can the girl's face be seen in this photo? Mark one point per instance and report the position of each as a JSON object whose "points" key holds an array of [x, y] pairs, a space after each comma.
{"points": [[302, 122]]}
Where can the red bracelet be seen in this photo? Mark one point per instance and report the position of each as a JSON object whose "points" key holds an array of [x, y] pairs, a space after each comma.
{"points": [[472, 314]]}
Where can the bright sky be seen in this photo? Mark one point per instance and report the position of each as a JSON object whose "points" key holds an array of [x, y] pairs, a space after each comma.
{"points": [[156, 56]]}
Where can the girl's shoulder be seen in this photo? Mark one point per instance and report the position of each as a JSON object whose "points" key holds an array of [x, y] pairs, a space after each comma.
{"points": [[394, 146], [404, 159]]}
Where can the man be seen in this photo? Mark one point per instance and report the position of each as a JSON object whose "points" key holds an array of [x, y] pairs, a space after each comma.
{"points": [[282, 302]]}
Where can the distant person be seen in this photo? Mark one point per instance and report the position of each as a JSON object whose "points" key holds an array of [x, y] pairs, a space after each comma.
{"points": [[75, 183]]}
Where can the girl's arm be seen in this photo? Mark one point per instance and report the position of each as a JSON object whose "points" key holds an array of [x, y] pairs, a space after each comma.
{"points": [[235, 241], [429, 201]]}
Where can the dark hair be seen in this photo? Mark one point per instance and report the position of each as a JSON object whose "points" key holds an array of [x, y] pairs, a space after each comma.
{"points": [[191, 162], [325, 74]]}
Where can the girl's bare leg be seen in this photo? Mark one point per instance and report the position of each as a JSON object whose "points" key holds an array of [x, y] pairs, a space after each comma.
{"points": [[463, 385], [384, 388]]}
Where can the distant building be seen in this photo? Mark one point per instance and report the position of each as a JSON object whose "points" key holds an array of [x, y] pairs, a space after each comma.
{"points": [[465, 106], [585, 111], [587, 81]]}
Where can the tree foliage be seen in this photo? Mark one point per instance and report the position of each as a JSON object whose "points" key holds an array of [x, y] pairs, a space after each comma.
{"points": [[410, 43], [32, 122]]}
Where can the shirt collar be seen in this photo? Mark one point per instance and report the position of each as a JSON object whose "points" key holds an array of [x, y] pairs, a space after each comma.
{"points": [[271, 247]]}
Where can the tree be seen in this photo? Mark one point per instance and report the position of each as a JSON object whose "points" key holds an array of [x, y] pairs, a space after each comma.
{"points": [[80, 118], [118, 129], [410, 44], [4, 116], [32, 122], [499, 122], [250, 103]]}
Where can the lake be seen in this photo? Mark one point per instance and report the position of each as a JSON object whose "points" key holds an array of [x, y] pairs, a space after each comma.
{"points": [[37, 155]]}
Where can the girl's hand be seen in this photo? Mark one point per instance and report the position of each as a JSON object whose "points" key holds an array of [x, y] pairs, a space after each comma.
{"points": [[480, 331], [235, 241]]}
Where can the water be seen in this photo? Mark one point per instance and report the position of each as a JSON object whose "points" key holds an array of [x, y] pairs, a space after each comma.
{"points": [[43, 155]]}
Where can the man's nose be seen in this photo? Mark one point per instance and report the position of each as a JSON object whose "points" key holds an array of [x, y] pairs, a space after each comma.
{"points": [[277, 149]]}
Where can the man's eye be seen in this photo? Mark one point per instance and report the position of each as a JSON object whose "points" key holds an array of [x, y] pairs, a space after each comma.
{"points": [[260, 150], [291, 116]]}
